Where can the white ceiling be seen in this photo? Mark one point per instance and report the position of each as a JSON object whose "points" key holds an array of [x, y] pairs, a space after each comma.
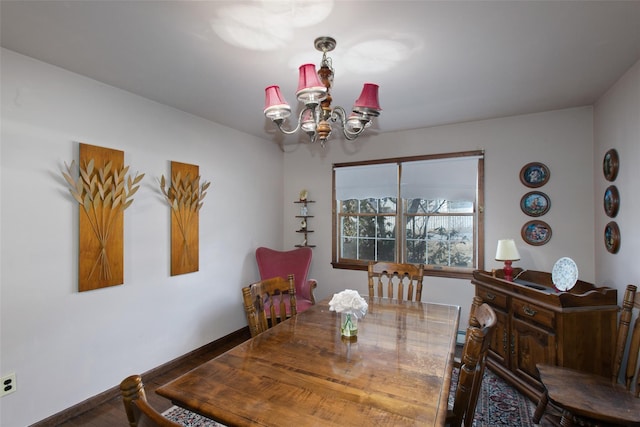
{"points": [[436, 62]]}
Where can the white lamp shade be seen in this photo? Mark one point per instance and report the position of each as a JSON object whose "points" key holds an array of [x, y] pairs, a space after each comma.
{"points": [[507, 250]]}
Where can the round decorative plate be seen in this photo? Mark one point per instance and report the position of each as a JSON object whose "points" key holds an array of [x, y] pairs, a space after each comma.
{"points": [[534, 174], [611, 201], [536, 232], [610, 165], [612, 237], [535, 203], [564, 274]]}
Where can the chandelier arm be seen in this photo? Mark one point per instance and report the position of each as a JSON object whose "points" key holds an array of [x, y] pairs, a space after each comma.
{"points": [[338, 114], [351, 135], [283, 130], [280, 122]]}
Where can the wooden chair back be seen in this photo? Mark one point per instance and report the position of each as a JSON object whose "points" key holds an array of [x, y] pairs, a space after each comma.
{"points": [[384, 277], [269, 302], [139, 412], [476, 302], [473, 322], [630, 302], [473, 362], [589, 397]]}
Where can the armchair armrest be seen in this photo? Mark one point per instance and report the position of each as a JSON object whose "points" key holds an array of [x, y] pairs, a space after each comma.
{"points": [[309, 287]]}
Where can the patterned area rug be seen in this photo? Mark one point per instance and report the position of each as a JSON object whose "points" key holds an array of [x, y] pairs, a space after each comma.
{"points": [[188, 418], [499, 404]]}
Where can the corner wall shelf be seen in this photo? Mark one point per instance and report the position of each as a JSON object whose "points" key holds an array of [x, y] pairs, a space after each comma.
{"points": [[304, 215]]}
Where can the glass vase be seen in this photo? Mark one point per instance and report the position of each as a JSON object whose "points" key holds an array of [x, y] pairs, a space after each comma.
{"points": [[348, 325]]}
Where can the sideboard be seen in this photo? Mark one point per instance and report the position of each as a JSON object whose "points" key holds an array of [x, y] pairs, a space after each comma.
{"points": [[539, 324]]}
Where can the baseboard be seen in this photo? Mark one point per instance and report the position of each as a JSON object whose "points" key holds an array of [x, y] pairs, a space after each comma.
{"points": [[114, 392]]}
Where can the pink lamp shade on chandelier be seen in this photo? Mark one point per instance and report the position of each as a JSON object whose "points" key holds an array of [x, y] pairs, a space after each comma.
{"points": [[368, 98], [275, 106], [310, 89]]}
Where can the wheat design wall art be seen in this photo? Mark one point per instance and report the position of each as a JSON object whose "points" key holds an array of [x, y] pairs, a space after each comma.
{"points": [[185, 196], [103, 190]]}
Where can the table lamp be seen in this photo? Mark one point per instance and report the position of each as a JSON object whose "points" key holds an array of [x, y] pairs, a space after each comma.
{"points": [[508, 253]]}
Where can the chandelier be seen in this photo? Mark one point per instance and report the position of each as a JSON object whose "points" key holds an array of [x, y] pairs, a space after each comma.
{"points": [[313, 92]]}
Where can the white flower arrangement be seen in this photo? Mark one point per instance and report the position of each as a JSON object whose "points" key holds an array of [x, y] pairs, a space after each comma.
{"points": [[349, 301]]}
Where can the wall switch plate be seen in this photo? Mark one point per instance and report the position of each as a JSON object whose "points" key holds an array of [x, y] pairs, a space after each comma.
{"points": [[8, 384]]}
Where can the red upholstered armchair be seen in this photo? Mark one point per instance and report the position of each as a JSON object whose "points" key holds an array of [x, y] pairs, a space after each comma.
{"points": [[272, 263]]}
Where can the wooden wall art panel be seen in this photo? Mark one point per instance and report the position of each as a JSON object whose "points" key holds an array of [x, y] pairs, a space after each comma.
{"points": [[185, 197], [103, 190]]}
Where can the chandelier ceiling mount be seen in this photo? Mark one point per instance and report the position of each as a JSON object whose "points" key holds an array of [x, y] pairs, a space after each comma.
{"points": [[325, 44], [314, 93]]}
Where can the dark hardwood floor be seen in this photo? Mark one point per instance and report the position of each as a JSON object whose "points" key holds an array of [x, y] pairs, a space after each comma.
{"points": [[111, 413]]}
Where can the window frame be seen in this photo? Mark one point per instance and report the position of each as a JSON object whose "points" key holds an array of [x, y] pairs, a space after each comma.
{"points": [[430, 270]]}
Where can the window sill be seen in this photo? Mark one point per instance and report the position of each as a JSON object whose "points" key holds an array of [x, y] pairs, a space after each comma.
{"points": [[452, 272]]}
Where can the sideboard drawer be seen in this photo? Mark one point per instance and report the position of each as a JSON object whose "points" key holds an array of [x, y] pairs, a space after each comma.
{"points": [[496, 299], [533, 313]]}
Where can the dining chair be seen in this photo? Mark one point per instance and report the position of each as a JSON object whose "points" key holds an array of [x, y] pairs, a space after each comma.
{"points": [[475, 303], [269, 302], [473, 362], [584, 397], [473, 322], [273, 263], [385, 276], [139, 412]]}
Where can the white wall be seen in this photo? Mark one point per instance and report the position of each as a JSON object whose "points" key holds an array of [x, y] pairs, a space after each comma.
{"points": [[617, 125], [66, 346], [563, 140]]}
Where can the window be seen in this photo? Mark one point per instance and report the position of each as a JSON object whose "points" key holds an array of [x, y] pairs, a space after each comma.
{"points": [[420, 210]]}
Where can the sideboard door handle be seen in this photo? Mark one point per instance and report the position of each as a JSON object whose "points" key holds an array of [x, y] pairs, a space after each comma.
{"points": [[490, 296], [529, 311]]}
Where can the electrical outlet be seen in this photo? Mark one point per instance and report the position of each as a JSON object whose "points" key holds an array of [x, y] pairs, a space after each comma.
{"points": [[8, 384]]}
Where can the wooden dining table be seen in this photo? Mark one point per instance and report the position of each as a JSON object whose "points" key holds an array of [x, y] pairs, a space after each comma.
{"points": [[302, 372]]}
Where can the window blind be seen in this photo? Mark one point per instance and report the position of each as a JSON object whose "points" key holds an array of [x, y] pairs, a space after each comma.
{"points": [[440, 179], [369, 181]]}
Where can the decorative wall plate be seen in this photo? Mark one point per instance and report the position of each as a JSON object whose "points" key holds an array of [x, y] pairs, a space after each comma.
{"points": [[534, 174], [564, 274], [611, 201], [610, 165], [535, 203], [612, 237], [536, 232]]}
